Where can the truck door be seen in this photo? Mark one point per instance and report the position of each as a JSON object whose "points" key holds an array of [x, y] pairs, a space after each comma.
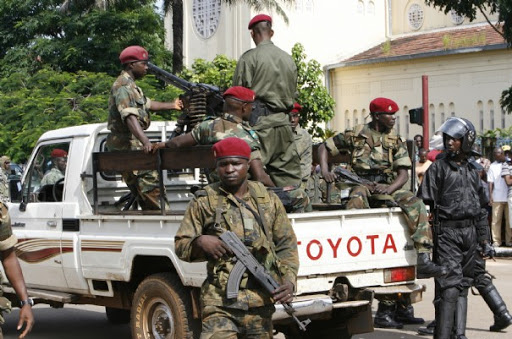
{"points": [[37, 219]]}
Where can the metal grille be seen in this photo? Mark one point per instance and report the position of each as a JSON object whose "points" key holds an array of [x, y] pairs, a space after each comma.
{"points": [[206, 15]]}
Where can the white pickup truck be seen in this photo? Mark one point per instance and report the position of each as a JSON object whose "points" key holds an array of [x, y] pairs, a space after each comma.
{"points": [[77, 246]]}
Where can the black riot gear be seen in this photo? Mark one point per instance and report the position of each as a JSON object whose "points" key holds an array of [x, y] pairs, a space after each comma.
{"points": [[459, 128]]}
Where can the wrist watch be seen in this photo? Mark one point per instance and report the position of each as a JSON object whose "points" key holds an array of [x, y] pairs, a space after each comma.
{"points": [[29, 301]]}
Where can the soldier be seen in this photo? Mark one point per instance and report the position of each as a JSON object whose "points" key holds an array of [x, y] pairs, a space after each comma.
{"points": [[453, 189], [259, 219], [58, 171], [304, 145], [271, 73], [5, 167], [379, 155], [128, 118], [12, 267]]}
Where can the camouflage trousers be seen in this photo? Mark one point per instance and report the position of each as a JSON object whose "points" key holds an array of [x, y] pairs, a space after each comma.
{"points": [[145, 186], [359, 197], [229, 323]]}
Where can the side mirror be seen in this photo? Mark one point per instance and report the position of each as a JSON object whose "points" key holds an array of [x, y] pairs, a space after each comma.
{"points": [[15, 190]]}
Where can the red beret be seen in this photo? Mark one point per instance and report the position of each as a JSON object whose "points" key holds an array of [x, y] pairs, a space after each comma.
{"points": [[241, 93], [58, 153], [296, 108], [259, 18], [383, 105], [132, 54], [231, 147]]}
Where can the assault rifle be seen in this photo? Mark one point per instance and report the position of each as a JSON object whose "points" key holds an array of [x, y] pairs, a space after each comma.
{"points": [[352, 177], [199, 100], [246, 261]]}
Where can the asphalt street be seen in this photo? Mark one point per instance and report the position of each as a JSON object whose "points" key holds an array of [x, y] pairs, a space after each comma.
{"points": [[81, 322]]}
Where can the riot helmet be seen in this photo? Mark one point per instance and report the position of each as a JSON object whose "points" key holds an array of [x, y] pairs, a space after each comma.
{"points": [[459, 128]]}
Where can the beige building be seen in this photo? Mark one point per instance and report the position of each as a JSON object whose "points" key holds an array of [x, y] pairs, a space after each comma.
{"points": [[372, 48], [467, 64]]}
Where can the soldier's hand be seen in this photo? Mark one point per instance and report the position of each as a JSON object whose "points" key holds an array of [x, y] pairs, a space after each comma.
{"points": [[382, 189], [284, 293], [178, 104], [212, 246], [488, 250], [146, 148], [157, 145], [27, 318], [329, 176]]}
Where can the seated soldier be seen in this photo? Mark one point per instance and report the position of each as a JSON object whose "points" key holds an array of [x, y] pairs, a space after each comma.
{"points": [[379, 156], [59, 160], [234, 123]]}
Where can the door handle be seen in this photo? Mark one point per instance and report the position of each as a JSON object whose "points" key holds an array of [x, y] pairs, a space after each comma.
{"points": [[51, 223]]}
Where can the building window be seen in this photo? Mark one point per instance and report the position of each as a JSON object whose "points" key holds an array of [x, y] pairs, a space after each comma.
{"points": [[481, 111], [407, 125], [452, 109], [398, 125], [456, 18], [360, 7], [415, 16], [490, 104], [206, 14], [371, 8], [432, 118], [308, 5], [441, 112], [502, 118]]}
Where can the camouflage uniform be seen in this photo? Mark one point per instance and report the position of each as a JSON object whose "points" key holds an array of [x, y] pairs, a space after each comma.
{"points": [[304, 145], [52, 177], [126, 99], [7, 239], [218, 211], [212, 130], [271, 73], [377, 157]]}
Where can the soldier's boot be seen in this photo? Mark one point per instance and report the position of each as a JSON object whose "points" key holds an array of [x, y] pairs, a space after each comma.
{"points": [[429, 329], [405, 312], [384, 318], [445, 313], [461, 315], [502, 318], [426, 268]]}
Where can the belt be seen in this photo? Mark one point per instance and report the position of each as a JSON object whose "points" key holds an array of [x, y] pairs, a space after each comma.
{"points": [[457, 223]]}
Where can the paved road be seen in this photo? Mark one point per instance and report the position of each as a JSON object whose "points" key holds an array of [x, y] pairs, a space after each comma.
{"points": [[81, 322]]}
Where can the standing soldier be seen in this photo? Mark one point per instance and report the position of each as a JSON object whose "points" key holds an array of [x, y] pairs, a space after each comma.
{"points": [[258, 218], [380, 156], [128, 118], [456, 195], [11, 265], [271, 73], [304, 145]]}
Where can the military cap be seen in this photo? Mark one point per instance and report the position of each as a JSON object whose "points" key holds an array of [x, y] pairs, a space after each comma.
{"points": [[58, 153], [296, 108], [231, 147], [241, 93], [383, 105], [133, 54], [259, 18]]}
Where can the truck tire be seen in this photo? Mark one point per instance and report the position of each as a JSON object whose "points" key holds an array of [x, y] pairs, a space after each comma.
{"points": [[162, 308], [117, 315]]}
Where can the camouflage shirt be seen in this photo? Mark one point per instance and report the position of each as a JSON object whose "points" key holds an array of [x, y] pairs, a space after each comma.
{"points": [[52, 177], [212, 130], [4, 187], [305, 149], [200, 218], [372, 152], [126, 98]]}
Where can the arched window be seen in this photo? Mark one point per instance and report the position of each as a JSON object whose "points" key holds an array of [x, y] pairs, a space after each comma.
{"points": [[432, 111], [441, 113], [206, 14], [355, 117], [371, 8], [490, 106], [451, 107], [502, 118], [360, 7], [406, 122], [480, 106]]}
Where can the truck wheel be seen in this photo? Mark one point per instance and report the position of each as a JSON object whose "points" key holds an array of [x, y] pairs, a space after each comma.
{"points": [[117, 315], [162, 308]]}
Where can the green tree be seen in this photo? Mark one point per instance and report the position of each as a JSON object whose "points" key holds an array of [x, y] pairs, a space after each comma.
{"points": [[35, 34], [317, 104], [469, 9]]}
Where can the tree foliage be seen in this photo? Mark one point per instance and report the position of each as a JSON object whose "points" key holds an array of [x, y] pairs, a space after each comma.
{"points": [[317, 104], [37, 34], [470, 9]]}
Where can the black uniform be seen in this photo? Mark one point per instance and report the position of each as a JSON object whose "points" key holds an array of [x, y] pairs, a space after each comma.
{"points": [[457, 193]]}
